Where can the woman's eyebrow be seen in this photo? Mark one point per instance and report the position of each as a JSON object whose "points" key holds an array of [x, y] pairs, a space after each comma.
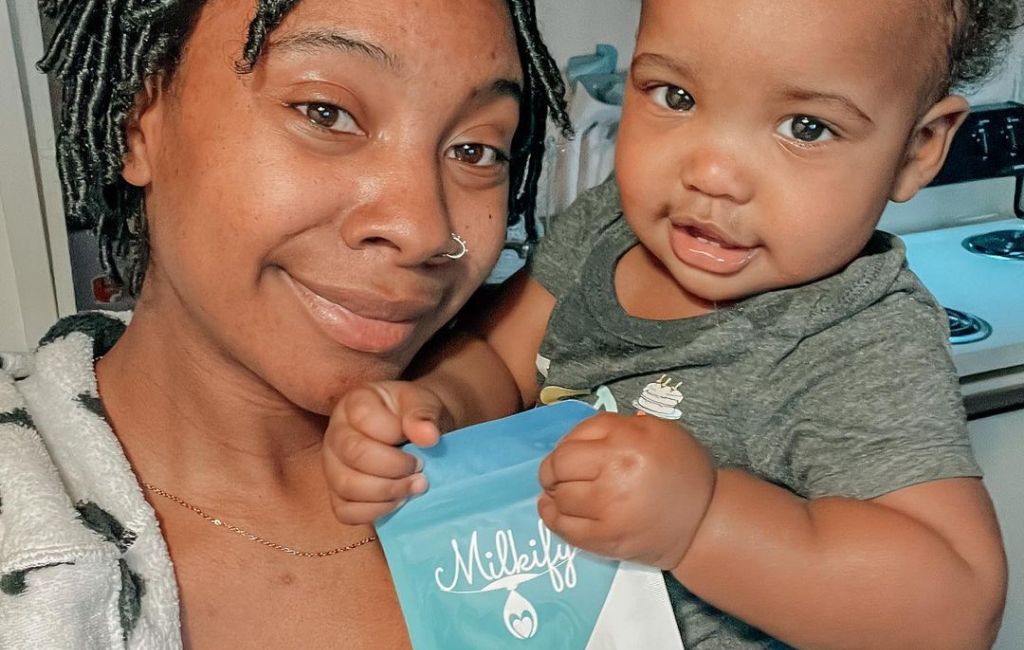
{"points": [[504, 88], [312, 40]]}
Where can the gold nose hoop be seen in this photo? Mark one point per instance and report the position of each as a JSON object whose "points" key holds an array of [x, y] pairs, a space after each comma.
{"points": [[461, 252]]}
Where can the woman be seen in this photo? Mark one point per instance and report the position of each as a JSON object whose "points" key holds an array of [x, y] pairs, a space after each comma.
{"points": [[322, 185]]}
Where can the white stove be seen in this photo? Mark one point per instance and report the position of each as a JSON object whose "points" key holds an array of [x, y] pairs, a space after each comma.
{"points": [[989, 291], [969, 251], [986, 287]]}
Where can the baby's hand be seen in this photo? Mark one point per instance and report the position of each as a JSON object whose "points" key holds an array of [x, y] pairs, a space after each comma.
{"points": [[367, 474], [631, 488]]}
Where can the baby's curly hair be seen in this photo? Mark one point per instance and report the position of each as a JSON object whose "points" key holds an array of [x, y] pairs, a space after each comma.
{"points": [[980, 37]]}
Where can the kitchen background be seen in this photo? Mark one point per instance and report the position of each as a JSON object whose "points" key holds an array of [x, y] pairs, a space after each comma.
{"points": [[47, 271]]}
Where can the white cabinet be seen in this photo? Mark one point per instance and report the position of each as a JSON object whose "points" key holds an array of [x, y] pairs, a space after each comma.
{"points": [[35, 275], [999, 445]]}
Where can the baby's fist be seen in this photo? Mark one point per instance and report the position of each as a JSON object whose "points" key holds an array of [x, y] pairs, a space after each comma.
{"points": [[628, 487], [368, 476]]}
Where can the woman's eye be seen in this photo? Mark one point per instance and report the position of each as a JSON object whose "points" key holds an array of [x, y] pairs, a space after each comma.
{"points": [[329, 117], [805, 129], [673, 98], [476, 154]]}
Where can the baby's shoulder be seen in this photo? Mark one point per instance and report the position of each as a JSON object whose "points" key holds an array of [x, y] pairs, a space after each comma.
{"points": [[591, 213]]}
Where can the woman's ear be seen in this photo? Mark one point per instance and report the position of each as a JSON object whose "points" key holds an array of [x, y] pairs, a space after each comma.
{"points": [[141, 134], [928, 146]]}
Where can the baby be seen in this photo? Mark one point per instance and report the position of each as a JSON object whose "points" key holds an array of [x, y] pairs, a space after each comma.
{"points": [[801, 470]]}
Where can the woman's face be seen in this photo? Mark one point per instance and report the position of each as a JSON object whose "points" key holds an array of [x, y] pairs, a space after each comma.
{"points": [[299, 215]]}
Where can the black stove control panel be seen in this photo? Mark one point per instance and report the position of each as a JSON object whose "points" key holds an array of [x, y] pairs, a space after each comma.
{"points": [[990, 144]]}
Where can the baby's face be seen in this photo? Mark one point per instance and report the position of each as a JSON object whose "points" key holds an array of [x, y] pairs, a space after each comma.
{"points": [[760, 141]]}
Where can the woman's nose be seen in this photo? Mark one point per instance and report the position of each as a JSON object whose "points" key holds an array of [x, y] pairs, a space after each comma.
{"points": [[406, 215], [715, 169]]}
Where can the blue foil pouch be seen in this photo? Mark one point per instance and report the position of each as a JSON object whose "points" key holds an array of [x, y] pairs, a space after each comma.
{"points": [[475, 567]]}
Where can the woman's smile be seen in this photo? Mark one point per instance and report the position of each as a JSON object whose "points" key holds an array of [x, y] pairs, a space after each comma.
{"points": [[370, 324]]}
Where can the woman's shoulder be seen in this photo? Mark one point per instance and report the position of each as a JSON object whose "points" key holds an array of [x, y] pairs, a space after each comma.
{"points": [[59, 459], [62, 577], [51, 416], [37, 520], [103, 328]]}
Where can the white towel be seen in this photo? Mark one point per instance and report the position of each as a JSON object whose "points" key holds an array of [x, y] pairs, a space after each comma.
{"points": [[82, 561]]}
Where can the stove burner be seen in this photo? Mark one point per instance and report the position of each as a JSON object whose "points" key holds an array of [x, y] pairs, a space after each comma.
{"points": [[966, 328], [1002, 244]]}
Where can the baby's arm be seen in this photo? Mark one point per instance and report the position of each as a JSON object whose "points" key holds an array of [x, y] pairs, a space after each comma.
{"points": [[486, 369], [481, 371], [921, 567]]}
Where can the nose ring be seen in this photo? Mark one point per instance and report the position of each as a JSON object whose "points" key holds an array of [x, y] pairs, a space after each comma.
{"points": [[462, 248]]}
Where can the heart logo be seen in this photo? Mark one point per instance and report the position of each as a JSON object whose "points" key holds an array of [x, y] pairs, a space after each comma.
{"points": [[520, 616], [522, 626]]}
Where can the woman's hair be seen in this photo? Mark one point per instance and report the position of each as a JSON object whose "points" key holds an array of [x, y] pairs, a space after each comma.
{"points": [[105, 50]]}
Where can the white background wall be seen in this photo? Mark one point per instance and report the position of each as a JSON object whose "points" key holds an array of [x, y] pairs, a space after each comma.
{"points": [[27, 299], [35, 268], [572, 27]]}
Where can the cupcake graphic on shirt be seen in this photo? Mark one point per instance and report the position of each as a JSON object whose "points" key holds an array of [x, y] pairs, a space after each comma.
{"points": [[660, 399]]}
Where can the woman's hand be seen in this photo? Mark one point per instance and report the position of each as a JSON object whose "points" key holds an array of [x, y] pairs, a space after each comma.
{"points": [[367, 474], [631, 488]]}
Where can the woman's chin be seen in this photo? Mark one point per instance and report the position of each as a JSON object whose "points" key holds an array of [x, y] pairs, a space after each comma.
{"points": [[318, 390]]}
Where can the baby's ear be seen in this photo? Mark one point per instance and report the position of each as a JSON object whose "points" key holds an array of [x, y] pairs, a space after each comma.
{"points": [[928, 146]]}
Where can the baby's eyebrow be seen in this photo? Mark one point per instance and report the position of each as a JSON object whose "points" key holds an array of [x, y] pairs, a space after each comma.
{"points": [[312, 40], [650, 59], [842, 101]]}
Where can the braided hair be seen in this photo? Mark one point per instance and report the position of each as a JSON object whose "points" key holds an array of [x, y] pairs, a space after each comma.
{"points": [[104, 51]]}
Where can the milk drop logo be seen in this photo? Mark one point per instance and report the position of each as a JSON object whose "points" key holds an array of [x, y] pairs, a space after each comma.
{"points": [[505, 563]]}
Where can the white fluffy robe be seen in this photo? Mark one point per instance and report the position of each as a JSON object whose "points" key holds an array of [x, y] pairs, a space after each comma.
{"points": [[62, 580]]}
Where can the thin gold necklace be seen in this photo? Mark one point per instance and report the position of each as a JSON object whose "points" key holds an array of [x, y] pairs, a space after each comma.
{"points": [[220, 523]]}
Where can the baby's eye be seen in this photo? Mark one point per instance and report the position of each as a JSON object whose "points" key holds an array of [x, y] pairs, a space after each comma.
{"points": [[805, 129], [329, 117], [673, 98], [476, 154]]}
